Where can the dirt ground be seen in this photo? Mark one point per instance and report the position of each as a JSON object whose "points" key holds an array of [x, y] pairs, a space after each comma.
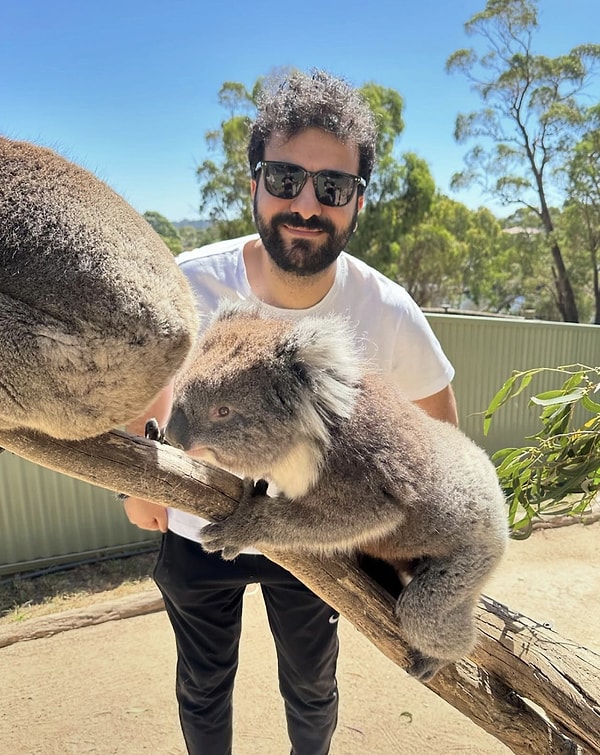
{"points": [[108, 689]]}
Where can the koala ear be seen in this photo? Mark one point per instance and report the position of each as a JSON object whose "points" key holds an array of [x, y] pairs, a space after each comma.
{"points": [[324, 357], [230, 309]]}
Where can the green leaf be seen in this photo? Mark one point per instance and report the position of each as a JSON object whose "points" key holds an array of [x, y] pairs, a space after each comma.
{"points": [[554, 398], [506, 392], [591, 406]]}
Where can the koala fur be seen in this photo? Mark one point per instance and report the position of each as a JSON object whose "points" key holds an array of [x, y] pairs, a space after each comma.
{"points": [[95, 316], [356, 466]]}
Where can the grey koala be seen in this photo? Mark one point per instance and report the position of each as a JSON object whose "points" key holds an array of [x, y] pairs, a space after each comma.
{"points": [[95, 316], [356, 467]]}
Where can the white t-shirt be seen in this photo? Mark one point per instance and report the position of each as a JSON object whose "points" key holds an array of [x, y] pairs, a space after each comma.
{"points": [[391, 329]]}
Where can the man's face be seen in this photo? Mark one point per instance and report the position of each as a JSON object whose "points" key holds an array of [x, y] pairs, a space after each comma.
{"points": [[301, 235]]}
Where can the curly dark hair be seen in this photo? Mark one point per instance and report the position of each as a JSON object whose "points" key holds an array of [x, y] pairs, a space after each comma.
{"points": [[320, 100]]}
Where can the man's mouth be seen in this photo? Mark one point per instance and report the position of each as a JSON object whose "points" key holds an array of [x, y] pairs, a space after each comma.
{"points": [[302, 230]]}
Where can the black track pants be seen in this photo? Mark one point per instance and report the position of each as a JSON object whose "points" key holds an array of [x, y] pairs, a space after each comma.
{"points": [[203, 597]]}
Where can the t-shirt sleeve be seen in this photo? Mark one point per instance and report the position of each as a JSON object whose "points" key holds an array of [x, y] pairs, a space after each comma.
{"points": [[419, 366], [400, 343]]}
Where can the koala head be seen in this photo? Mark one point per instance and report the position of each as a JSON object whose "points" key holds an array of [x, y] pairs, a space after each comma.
{"points": [[258, 388]]}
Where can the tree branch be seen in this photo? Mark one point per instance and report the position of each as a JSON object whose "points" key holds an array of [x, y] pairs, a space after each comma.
{"points": [[517, 668]]}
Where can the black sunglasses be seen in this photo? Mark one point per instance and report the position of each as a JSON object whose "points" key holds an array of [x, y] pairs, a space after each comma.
{"points": [[286, 180]]}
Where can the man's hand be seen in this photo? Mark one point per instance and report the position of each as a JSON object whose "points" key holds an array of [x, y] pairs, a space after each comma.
{"points": [[145, 514]]}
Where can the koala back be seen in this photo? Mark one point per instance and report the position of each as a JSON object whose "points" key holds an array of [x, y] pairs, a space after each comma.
{"points": [[95, 316], [440, 480]]}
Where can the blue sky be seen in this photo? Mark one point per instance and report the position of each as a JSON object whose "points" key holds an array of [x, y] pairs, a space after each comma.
{"points": [[128, 89]]}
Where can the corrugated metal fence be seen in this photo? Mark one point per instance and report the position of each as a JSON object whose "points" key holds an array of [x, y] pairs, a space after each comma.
{"points": [[485, 351], [47, 518]]}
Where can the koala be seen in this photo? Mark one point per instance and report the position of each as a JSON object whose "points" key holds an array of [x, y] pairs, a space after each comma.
{"points": [[95, 316], [356, 467]]}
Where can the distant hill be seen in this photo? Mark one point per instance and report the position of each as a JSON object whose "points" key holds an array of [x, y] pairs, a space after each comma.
{"points": [[199, 224]]}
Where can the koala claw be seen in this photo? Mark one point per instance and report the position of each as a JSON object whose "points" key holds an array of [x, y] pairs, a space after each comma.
{"points": [[260, 487], [423, 667], [251, 489], [152, 431], [229, 554]]}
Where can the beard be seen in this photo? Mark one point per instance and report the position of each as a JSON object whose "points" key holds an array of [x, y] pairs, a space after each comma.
{"points": [[302, 257]]}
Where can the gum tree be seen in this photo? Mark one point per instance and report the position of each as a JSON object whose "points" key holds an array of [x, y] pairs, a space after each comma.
{"points": [[534, 109], [224, 178], [582, 209]]}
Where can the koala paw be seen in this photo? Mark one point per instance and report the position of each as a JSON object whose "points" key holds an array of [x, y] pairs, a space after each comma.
{"points": [[423, 667], [235, 533], [221, 536]]}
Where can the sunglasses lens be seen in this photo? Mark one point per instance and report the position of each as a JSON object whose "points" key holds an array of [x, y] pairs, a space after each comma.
{"points": [[334, 189], [286, 181], [283, 180]]}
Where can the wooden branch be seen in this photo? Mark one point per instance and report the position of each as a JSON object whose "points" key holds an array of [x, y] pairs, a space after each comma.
{"points": [[524, 684], [125, 607], [589, 516]]}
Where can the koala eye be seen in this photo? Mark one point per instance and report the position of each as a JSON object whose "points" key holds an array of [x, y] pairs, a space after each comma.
{"points": [[219, 412]]}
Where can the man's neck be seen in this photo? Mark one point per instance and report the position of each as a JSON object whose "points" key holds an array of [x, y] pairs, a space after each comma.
{"points": [[280, 289]]}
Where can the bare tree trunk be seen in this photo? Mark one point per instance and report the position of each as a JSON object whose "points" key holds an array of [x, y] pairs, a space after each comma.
{"points": [[596, 284], [564, 290], [517, 661], [566, 297]]}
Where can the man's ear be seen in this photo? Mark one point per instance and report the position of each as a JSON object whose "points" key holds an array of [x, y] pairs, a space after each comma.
{"points": [[252, 187], [361, 202]]}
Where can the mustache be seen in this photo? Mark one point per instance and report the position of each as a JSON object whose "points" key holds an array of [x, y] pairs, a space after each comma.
{"points": [[313, 223]]}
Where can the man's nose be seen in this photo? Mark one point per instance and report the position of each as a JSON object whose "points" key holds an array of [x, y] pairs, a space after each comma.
{"points": [[306, 203]]}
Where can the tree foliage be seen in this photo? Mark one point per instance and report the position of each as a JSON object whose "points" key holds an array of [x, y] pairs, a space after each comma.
{"points": [[165, 229], [533, 109], [581, 217], [224, 180], [400, 192], [192, 237], [559, 474]]}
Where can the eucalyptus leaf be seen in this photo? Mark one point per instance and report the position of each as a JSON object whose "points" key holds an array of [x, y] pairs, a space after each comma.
{"points": [[560, 473], [552, 398]]}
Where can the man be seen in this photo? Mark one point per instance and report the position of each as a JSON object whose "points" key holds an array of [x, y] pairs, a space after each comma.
{"points": [[311, 153]]}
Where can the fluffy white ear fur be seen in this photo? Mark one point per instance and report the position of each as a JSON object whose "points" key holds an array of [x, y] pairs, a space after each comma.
{"points": [[327, 350], [330, 370], [231, 308]]}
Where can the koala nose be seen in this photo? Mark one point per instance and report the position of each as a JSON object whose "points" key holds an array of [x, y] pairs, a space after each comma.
{"points": [[177, 432]]}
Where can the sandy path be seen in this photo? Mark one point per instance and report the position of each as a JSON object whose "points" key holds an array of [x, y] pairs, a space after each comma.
{"points": [[108, 689]]}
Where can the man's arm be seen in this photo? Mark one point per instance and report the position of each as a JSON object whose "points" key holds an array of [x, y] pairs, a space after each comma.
{"points": [[441, 405], [145, 514]]}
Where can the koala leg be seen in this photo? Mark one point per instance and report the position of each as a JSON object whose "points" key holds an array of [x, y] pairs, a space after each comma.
{"points": [[436, 607]]}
